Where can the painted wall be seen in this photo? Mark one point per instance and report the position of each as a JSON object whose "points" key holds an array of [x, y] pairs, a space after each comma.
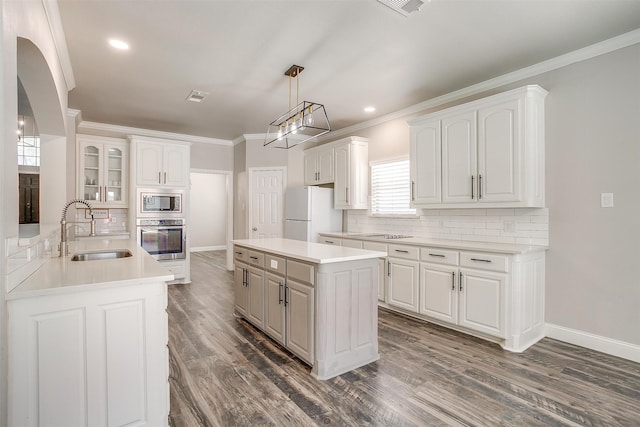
{"points": [[211, 156], [208, 210]]}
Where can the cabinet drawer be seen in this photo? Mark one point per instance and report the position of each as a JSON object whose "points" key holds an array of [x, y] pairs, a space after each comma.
{"points": [[484, 261], [256, 258], [375, 246], [300, 271], [439, 256], [330, 241], [275, 264], [240, 253], [407, 252], [352, 243]]}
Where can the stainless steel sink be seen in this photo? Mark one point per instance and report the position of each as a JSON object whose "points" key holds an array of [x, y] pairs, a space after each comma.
{"points": [[104, 254]]}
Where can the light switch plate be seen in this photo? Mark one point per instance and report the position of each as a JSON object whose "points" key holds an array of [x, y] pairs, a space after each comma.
{"points": [[606, 200]]}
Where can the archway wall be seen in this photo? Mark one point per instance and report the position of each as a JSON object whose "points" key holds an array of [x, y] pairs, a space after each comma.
{"points": [[29, 50]]}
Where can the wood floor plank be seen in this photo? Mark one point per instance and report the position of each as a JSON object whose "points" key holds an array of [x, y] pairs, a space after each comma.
{"points": [[225, 372]]}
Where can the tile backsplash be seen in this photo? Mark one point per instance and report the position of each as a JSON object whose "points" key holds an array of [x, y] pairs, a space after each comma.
{"points": [[516, 226]]}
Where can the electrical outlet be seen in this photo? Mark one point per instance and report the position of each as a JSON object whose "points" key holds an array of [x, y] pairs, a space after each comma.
{"points": [[606, 200]]}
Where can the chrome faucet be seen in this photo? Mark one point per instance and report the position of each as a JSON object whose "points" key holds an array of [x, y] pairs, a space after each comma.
{"points": [[64, 244]]}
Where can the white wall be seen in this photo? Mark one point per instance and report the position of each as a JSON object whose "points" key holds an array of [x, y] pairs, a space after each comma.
{"points": [[208, 211]]}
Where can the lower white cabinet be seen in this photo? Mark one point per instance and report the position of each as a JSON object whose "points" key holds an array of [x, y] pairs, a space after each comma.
{"points": [[255, 305], [299, 316], [95, 358], [382, 266], [402, 284], [470, 298], [241, 291], [402, 277]]}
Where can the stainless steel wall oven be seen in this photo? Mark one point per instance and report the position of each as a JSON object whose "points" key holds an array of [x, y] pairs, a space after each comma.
{"points": [[162, 238]]}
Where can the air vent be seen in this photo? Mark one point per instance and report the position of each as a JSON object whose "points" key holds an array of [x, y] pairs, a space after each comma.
{"points": [[197, 96], [404, 7]]}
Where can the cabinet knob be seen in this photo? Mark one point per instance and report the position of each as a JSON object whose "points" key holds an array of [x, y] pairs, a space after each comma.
{"points": [[255, 228]]}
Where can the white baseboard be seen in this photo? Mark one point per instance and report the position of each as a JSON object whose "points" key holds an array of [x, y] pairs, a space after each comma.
{"points": [[594, 342], [208, 248]]}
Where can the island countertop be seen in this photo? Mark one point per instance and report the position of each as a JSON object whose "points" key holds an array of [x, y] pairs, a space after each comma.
{"points": [[61, 275], [315, 253]]}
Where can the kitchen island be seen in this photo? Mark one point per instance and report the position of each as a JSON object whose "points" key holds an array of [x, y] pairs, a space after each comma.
{"points": [[88, 340], [318, 301]]}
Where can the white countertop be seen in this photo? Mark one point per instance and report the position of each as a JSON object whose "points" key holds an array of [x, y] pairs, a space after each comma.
{"points": [[315, 253], [61, 275], [502, 248]]}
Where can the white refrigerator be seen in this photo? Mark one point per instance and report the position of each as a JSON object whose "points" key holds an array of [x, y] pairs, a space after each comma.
{"points": [[309, 211]]}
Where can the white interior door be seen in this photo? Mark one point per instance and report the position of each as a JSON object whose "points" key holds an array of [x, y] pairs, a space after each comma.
{"points": [[266, 207]]}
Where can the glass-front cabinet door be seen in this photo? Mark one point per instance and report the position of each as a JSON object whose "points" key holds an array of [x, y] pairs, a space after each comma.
{"points": [[102, 171]]}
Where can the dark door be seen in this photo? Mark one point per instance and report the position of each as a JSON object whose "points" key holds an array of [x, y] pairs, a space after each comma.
{"points": [[29, 185]]}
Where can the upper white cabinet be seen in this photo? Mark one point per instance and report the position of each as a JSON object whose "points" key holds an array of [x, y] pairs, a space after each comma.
{"points": [[102, 171], [319, 165], [351, 186], [345, 163], [487, 153], [160, 163]]}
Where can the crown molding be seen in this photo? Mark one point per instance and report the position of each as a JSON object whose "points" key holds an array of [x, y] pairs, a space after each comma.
{"points": [[589, 52], [60, 41], [124, 131]]}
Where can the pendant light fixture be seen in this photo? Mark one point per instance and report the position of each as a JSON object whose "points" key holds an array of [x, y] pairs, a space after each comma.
{"points": [[304, 121]]}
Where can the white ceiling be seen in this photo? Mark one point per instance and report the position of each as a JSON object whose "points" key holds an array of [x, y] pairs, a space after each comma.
{"points": [[355, 53]]}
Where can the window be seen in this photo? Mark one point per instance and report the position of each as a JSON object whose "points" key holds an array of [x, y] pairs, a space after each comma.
{"points": [[29, 151], [391, 188]]}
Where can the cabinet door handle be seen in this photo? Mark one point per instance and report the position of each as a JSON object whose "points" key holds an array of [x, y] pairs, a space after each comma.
{"points": [[479, 187], [453, 280], [437, 255], [388, 268], [238, 253], [165, 177], [472, 194], [279, 293], [100, 193], [347, 194], [255, 258], [402, 251], [159, 177], [286, 300], [480, 260], [413, 188], [244, 277], [331, 242], [460, 286]]}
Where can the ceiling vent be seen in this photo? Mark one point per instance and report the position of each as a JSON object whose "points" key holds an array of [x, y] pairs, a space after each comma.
{"points": [[197, 96], [404, 7]]}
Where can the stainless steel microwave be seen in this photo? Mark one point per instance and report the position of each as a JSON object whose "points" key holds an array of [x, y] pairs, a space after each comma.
{"points": [[160, 203]]}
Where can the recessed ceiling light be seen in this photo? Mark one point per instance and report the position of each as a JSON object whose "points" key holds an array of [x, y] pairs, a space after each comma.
{"points": [[118, 44], [369, 109]]}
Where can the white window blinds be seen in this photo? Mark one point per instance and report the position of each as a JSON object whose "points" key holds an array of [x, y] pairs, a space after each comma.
{"points": [[390, 188]]}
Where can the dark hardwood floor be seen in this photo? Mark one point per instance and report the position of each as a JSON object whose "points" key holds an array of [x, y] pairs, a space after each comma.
{"points": [[224, 372]]}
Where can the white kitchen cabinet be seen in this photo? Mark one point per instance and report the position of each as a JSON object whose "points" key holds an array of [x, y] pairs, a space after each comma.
{"points": [[274, 322], [351, 187], [425, 163], [300, 324], [102, 176], [319, 165], [160, 163], [351, 243], [438, 292], [241, 292], [481, 301], [492, 153], [402, 277], [85, 358], [255, 305]]}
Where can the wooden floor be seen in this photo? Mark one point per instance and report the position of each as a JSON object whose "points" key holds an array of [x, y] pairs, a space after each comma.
{"points": [[226, 373]]}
